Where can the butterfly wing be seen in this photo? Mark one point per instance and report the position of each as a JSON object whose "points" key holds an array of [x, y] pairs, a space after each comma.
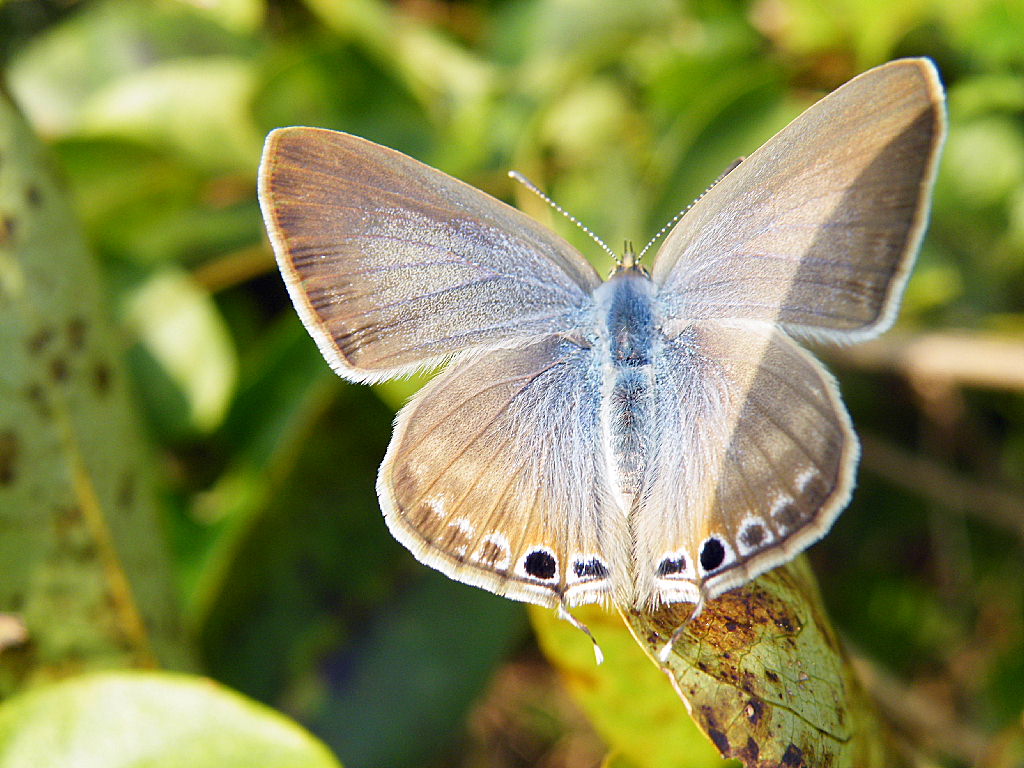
{"points": [[394, 265], [494, 476], [817, 229], [814, 235], [752, 460]]}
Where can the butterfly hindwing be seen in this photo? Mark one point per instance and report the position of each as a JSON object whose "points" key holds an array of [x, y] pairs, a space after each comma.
{"points": [[495, 477], [752, 459]]}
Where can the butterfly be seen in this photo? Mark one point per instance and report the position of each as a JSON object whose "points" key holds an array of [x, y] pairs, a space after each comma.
{"points": [[659, 437]]}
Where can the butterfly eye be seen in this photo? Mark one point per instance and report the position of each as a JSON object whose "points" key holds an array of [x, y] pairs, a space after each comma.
{"points": [[753, 535], [590, 569], [460, 532], [713, 554], [785, 514], [672, 565], [494, 552], [540, 564]]}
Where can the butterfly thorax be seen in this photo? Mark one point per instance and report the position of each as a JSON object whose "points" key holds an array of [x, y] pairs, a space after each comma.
{"points": [[626, 344]]}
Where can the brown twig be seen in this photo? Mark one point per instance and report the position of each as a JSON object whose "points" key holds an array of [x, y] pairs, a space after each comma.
{"points": [[233, 268], [961, 358], [943, 487], [923, 719]]}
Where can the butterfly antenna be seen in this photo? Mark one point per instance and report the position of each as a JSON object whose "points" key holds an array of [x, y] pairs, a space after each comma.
{"points": [[563, 613], [663, 230], [666, 651], [536, 190], [678, 216]]}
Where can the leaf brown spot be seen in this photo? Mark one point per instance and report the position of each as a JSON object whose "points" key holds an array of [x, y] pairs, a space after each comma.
{"points": [[736, 620], [59, 370], [755, 710], [86, 552], [101, 378], [33, 196], [785, 623], [8, 227], [36, 396], [76, 333], [749, 683], [126, 491], [66, 519], [39, 340], [720, 740], [793, 757], [750, 752], [10, 448], [738, 666]]}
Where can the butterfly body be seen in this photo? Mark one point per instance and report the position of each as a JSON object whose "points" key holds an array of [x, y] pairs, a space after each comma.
{"points": [[654, 438], [626, 345]]}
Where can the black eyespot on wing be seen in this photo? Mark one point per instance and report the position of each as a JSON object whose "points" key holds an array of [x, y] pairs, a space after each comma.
{"points": [[491, 554], [752, 536], [592, 568], [712, 554], [670, 566], [788, 516], [540, 565]]}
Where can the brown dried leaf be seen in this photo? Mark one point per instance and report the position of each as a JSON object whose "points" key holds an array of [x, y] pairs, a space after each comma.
{"points": [[764, 675]]}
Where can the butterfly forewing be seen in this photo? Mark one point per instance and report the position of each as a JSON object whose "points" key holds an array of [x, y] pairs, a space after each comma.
{"points": [[393, 265], [818, 228], [751, 461], [495, 477]]}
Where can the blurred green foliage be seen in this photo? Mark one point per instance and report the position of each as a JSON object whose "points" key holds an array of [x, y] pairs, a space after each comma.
{"points": [[154, 111], [156, 719]]}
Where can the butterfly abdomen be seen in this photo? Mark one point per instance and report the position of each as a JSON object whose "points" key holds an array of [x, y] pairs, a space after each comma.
{"points": [[626, 344]]}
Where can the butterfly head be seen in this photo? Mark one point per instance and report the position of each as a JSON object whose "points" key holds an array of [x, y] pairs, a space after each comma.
{"points": [[629, 261]]}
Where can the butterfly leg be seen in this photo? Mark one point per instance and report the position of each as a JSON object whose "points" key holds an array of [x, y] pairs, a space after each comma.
{"points": [[563, 613], [666, 651]]}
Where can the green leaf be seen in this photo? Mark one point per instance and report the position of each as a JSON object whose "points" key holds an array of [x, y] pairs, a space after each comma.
{"points": [[401, 694], [59, 73], [150, 720], [181, 328], [626, 698], [448, 81], [161, 106], [985, 156], [242, 16], [84, 569], [285, 390], [765, 676]]}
